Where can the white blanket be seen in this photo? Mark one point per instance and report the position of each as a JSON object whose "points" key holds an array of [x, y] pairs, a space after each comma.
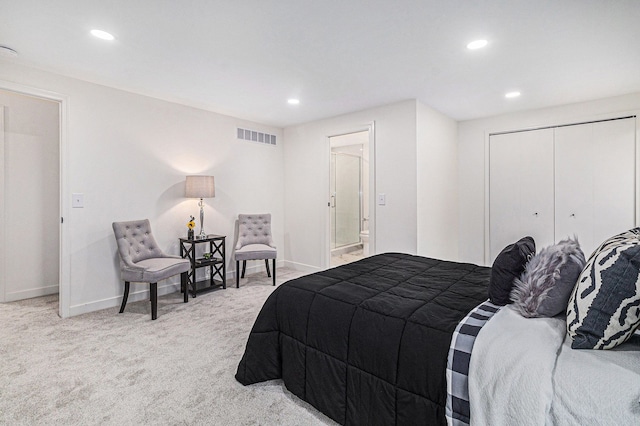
{"points": [[511, 369], [523, 372], [597, 387]]}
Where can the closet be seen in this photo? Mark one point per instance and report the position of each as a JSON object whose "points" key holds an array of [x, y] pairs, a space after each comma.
{"points": [[561, 181]]}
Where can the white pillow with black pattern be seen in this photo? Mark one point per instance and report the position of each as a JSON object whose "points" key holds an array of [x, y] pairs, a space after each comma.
{"points": [[604, 308]]}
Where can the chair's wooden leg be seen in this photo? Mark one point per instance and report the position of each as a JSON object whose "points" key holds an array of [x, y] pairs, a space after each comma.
{"points": [[266, 262], [154, 301], [274, 272], [244, 267], [237, 274], [126, 296], [183, 286]]}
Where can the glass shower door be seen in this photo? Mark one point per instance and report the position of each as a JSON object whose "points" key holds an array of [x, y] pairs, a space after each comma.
{"points": [[345, 199]]}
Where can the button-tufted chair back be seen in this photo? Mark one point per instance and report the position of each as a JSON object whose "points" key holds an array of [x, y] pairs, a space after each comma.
{"points": [[135, 241], [255, 242], [254, 229]]}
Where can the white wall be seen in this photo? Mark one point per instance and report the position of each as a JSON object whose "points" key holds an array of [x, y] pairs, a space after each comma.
{"points": [[437, 184], [306, 159], [472, 137], [129, 154], [29, 165]]}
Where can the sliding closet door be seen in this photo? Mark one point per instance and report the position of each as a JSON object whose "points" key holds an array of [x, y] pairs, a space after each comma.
{"points": [[595, 181], [520, 188]]}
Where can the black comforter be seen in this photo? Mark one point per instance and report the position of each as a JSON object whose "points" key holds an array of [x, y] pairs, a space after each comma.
{"points": [[366, 343]]}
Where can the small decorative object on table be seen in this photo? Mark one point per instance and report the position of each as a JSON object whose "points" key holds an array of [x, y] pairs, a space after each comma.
{"points": [[207, 255], [191, 224]]}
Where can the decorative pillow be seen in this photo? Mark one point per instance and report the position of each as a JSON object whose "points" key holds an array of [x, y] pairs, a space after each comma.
{"points": [[544, 288], [604, 309], [507, 266]]}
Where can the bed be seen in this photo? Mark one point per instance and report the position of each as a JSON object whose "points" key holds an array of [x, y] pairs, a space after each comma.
{"points": [[367, 342], [401, 339]]}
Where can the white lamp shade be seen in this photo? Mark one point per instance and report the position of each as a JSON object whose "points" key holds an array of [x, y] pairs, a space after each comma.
{"points": [[200, 187]]}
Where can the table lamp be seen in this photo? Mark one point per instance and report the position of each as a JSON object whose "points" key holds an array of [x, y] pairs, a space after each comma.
{"points": [[200, 187]]}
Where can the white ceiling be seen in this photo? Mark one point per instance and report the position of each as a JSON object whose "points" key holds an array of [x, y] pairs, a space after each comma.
{"points": [[245, 58]]}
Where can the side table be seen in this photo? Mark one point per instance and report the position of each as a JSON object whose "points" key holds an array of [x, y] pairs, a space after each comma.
{"points": [[216, 263]]}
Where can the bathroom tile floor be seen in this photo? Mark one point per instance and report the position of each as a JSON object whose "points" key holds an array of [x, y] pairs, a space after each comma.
{"points": [[347, 258]]}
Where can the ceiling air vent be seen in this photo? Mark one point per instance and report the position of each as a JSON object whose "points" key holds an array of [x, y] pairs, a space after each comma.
{"points": [[252, 135]]}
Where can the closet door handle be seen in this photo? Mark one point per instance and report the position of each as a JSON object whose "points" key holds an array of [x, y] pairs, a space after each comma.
{"points": [[572, 215], [536, 214]]}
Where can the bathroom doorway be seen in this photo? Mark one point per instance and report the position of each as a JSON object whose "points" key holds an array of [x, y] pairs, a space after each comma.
{"points": [[349, 197]]}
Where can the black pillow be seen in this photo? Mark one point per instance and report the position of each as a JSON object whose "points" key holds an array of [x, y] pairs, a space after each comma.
{"points": [[508, 266]]}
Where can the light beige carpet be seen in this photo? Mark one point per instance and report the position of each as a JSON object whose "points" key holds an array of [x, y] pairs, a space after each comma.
{"points": [[124, 369]]}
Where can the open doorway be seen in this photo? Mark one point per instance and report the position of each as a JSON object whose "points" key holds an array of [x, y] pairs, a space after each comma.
{"points": [[29, 196], [350, 216]]}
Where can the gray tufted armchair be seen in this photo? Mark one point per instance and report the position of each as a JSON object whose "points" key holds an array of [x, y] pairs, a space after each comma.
{"points": [[255, 242], [141, 260]]}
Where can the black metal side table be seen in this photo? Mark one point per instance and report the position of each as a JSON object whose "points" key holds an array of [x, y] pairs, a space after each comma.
{"points": [[218, 276]]}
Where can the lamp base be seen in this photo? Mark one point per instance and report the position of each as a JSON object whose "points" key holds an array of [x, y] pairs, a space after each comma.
{"points": [[202, 234]]}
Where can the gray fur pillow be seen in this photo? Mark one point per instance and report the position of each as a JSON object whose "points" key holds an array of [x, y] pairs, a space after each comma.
{"points": [[544, 288]]}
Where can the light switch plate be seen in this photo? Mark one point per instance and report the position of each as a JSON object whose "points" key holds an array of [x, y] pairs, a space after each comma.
{"points": [[382, 199], [77, 201]]}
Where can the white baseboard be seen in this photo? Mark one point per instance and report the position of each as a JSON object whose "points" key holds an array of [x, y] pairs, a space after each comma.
{"points": [[32, 292], [254, 267], [259, 267], [170, 287], [112, 302]]}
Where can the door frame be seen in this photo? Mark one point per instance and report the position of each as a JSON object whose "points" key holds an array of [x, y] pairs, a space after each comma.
{"points": [[63, 253], [369, 127], [2, 211]]}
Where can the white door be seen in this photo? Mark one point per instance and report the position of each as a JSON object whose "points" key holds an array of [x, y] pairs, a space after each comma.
{"points": [[595, 181], [30, 197], [521, 188]]}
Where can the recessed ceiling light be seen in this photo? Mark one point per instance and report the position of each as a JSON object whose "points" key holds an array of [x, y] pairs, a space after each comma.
{"points": [[8, 52], [477, 44], [102, 35], [293, 101], [512, 95]]}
